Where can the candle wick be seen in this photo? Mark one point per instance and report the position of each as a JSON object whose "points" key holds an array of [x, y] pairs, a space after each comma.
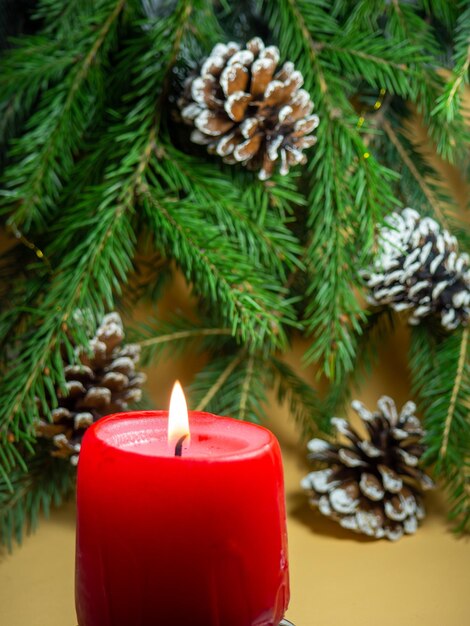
{"points": [[179, 445]]}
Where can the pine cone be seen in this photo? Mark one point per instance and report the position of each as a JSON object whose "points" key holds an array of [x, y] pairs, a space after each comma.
{"points": [[419, 268], [103, 381], [372, 485], [247, 109]]}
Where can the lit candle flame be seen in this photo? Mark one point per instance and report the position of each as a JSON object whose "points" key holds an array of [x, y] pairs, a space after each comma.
{"points": [[178, 422]]}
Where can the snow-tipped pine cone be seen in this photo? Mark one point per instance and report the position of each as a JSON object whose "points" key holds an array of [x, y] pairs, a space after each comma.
{"points": [[419, 268], [248, 109], [102, 381], [372, 485]]}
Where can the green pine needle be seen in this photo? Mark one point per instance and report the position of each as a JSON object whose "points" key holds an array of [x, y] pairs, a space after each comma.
{"points": [[440, 367]]}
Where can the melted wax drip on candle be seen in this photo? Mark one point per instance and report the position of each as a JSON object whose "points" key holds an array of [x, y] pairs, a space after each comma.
{"points": [[179, 445]]}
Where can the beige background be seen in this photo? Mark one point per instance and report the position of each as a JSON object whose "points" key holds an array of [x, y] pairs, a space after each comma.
{"points": [[337, 578]]}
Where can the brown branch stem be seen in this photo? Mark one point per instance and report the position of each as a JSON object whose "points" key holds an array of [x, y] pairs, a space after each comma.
{"points": [[246, 387], [455, 392], [232, 366], [459, 79], [311, 44], [185, 334]]}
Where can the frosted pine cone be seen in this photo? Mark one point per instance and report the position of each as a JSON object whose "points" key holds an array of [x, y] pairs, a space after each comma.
{"points": [[419, 268], [247, 109], [103, 381], [372, 485]]}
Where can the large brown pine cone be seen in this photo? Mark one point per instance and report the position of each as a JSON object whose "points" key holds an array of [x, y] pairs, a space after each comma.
{"points": [[247, 109], [103, 381], [373, 484]]}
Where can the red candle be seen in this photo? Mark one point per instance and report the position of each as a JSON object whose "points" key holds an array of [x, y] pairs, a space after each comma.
{"points": [[191, 540]]}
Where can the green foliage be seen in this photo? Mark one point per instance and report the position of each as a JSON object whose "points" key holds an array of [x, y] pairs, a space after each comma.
{"points": [[449, 102], [43, 158], [303, 402], [349, 189], [98, 169], [248, 299], [377, 325], [46, 484], [179, 335], [230, 385], [236, 383], [440, 367]]}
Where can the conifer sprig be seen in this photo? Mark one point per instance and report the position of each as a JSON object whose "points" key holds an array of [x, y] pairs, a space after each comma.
{"points": [[29, 69], [46, 483], [44, 156], [92, 272], [449, 102], [449, 133], [441, 378], [255, 308], [239, 207], [344, 174]]}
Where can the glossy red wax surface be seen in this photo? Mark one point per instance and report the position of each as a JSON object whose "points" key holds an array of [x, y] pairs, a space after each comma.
{"points": [[197, 540]]}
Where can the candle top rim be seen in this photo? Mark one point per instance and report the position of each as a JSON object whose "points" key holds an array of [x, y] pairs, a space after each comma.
{"points": [[213, 437]]}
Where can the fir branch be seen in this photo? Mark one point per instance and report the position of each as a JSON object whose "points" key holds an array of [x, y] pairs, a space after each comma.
{"points": [[92, 270], [302, 399], [440, 367], [235, 384], [227, 385], [41, 350], [231, 366], [337, 48], [375, 328], [59, 18], [439, 10], [245, 391], [449, 134], [192, 335], [350, 190], [372, 59], [449, 102], [308, 41], [28, 69], [237, 204], [460, 77], [33, 181], [254, 306], [415, 193], [426, 189], [184, 334], [342, 239], [48, 482], [455, 393]]}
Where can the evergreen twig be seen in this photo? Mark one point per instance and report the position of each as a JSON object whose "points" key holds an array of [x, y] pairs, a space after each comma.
{"points": [[440, 367], [184, 334], [46, 483], [428, 192], [455, 393], [220, 381], [31, 183]]}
